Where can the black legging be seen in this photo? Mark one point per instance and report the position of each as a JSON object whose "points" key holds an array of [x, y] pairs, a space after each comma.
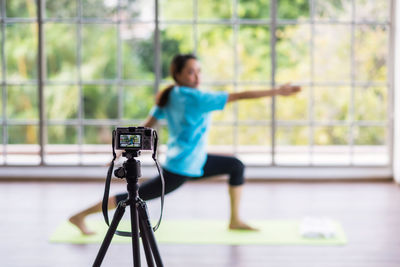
{"points": [[215, 165]]}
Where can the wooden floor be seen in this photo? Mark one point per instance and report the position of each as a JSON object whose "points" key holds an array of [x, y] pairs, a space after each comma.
{"points": [[368, 211]]}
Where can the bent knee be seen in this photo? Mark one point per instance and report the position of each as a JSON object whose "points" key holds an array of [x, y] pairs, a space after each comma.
{"points": [[237, 174], [237, 165]]}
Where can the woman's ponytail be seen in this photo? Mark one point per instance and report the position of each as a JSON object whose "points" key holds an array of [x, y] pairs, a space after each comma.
{"points": [[163, 96]]}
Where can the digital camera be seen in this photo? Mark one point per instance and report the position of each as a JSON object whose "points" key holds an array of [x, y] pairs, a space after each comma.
{"points": [[134, 138]]}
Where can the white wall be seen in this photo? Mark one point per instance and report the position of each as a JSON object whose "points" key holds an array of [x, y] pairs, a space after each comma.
{"points": [[396, 73]]}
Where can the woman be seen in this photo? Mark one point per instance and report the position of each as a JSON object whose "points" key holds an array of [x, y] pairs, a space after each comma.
{"points": [[187, 110]]}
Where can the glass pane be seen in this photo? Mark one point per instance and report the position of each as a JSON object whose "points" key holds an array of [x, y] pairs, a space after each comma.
{"points": [[371, 103], [211, 9], [220, 138], [369, 135], [292, 145], [256, 109], [331, 146], [293, 107], [370, 148], [331, 53], [97, 149], [138, 101], [100, 102], [254, 144], [215, 50], [23, 134], [372, 10], [175, 39], [23, 148], [163, 135], [97, 158], [289, 9], [98, 134], [253, 53], [293, 53], [61, 145], [371, 53], [333, 9], [62, 102], [99, 61], [331, 103], [21, 8], [22, 102], [137, 9], [176, 9], [331, 135], [257, 137], [21, 51], [62, 155], [61, 52], [138, 51], [251, 9], [371, 156], [61, 8], [62, 134], [331, 156], [292, 136], [99, 9]]}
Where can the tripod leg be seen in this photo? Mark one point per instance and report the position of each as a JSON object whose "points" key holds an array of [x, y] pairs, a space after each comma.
{"points": [[119, 212], [149, 234], [135, 235], [145, 242]]}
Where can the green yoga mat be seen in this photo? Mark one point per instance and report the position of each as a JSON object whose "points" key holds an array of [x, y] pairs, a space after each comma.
{"points": [[271, 232]]}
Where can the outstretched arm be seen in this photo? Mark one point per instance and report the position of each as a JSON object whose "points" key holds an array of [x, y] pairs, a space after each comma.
{"points": [[284, 90]]}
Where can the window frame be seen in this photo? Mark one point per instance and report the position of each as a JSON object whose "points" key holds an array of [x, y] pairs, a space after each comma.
{"points": [[235, 22]]}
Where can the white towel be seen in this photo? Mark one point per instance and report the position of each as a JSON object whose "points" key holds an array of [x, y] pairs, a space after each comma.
{"points": [[317, 227]]}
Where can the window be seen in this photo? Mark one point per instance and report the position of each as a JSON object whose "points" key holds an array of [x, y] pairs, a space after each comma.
{"points": [[103, 61]]}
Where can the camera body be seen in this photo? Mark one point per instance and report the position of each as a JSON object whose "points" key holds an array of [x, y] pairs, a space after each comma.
{"points": [[134, 138]]}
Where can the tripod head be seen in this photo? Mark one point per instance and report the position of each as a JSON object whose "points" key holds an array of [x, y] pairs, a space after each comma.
{"points": [[131, 165], [131, 154]]}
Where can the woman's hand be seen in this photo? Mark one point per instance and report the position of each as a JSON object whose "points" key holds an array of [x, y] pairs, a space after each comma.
{"points": [[288, 89]]}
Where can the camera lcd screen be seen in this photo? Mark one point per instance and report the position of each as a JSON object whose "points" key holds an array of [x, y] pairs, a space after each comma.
{"points": [[130, 141]]}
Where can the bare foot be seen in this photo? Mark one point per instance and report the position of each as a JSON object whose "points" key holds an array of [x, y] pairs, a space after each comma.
{"points": [[239, 225], [79, 222]]}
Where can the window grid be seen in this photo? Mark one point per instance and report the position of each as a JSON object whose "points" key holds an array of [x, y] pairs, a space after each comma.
{"points": [[235, 23]]}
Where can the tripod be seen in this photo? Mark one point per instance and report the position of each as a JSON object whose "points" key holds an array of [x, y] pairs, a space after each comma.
{"points": [[140, 222]]}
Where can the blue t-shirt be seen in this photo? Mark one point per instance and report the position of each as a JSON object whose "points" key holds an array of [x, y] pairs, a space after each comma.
{"points": [[188, 115]]}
